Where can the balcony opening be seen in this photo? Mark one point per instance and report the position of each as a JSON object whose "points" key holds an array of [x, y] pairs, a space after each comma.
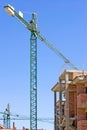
{"points": [[63, 128], [86, 115], [85, 90], [63, 109]]}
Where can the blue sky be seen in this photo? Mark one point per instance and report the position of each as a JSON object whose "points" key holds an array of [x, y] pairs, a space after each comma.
{"points": [[64, 24]]}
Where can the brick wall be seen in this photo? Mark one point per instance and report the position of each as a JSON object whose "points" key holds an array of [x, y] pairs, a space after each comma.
{"points": [[81, 115], [71, 104], [80, 89], [81, 98], [75, 103], [82, 125]]}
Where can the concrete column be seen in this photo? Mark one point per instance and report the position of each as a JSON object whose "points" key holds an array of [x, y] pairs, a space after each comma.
{"points": [[60, 99], [55, 116], [67, 101]]}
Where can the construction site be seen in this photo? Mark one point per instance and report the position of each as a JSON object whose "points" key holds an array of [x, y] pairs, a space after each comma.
{"points": [[69, 92], [70, 102]]}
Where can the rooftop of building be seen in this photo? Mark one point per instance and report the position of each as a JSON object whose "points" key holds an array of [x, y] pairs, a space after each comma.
{"points": [[74, 76]]}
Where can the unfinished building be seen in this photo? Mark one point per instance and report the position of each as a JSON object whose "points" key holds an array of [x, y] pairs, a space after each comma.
{"points": [[70, 101]]}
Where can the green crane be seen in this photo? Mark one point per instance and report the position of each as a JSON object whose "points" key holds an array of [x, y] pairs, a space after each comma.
{"points": [[6, 117], [33, 60], [33, 63]]}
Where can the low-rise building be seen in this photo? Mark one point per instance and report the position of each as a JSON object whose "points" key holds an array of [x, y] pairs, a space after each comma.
{"points": [[70, 101]]}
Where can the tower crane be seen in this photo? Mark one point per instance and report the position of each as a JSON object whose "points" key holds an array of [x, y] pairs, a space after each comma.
{"points": [[32, 27], [6, 117]]}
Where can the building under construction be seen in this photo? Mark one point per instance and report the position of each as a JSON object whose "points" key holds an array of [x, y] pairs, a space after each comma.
{"points": [[70, 101]]}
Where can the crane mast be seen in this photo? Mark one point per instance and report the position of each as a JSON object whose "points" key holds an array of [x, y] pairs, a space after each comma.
{"points": [[33, 60], [33, 76]]}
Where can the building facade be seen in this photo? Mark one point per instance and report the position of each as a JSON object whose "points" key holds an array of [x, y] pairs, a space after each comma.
{"points": [[70, 101]]}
